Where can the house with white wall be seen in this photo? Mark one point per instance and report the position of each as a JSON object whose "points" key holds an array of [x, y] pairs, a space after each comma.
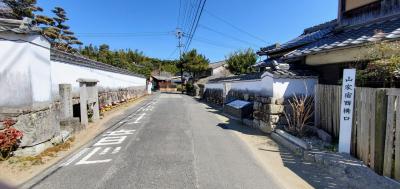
{"points": [[277, 82]]}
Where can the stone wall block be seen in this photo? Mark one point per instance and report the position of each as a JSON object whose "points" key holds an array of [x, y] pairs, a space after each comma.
{"points": [[256, 123], [257, 115], [273, 109], [256, 106], [38, 126], [267, 127]]}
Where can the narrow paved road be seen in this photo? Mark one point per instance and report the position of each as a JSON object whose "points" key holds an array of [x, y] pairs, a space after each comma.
{"points": [[170, 141]]}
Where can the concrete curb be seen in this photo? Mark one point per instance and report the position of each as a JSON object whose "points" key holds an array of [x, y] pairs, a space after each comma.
{"points": [[57, 165], [297, 150]]}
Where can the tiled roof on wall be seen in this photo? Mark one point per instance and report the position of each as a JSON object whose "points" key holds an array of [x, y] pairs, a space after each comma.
{"points": [[24, 26], [56, 55], [243, 77]]}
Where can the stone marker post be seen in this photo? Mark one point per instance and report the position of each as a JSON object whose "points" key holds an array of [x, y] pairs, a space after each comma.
{"points": [[88, 98], [65, 93]]}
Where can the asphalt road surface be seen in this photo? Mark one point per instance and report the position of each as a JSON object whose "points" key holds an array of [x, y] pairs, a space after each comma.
{"points": [[168, 141]]}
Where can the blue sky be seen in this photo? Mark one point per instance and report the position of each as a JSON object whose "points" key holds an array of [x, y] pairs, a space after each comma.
{"points": [[148, 25]]}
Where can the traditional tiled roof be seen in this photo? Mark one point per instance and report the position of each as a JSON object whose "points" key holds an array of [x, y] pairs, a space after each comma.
{"points": [[216, 64], [310, 35], [266, 63], [292, 74], [24, 26], [243, 77], [56, 55], [162, 78], [388, 29]]}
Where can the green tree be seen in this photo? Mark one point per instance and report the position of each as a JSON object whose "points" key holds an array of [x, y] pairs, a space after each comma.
{"points": [[240, 62], [27, 8], [194, 63], [62, 37], [23, 8], [132, 60]]}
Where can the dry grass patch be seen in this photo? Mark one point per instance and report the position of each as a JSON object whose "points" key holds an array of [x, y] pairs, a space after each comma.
{"points": [[26, 162]]}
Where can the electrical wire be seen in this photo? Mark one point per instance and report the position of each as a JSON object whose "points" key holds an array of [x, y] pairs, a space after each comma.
{"points": [[235, 27], [173, 53], [193, 32], [228, 36]]}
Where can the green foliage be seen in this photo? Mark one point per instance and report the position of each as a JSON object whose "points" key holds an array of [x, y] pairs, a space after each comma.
{"points": [[240, 62], [194, 63], [384, 65], [22, 8], [58, 32], [132, 60]]}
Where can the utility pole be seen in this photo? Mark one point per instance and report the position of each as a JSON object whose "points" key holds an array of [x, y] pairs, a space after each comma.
{"points": [[179, 35]]}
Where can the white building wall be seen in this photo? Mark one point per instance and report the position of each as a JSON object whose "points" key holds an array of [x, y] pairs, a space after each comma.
{"points": [[253, 85], [62, 73], [29, 78], [289, 87], [214, 86], [24, 70], [268, 86]]}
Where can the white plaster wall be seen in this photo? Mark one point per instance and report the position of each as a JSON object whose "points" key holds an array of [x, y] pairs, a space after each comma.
{"points": [[214, 86], [62, 73], [289, 87], [24, 70], [253, 85], [269, 86]]}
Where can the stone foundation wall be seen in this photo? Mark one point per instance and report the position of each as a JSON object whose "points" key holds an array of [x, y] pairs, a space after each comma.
{"points": [[268, 113], [108, 98], [214, 96], [38, 125], [241, 95]]}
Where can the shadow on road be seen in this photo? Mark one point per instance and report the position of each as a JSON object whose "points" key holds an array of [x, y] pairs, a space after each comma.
{"points": [[313, 174]]}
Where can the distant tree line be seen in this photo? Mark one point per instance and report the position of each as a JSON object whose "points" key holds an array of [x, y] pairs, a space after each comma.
{"points": [[133, 60]]}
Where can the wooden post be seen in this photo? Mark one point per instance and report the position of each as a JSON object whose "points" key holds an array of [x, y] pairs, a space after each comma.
{"points": [[397, 142], [388, 157], [380, 129]]}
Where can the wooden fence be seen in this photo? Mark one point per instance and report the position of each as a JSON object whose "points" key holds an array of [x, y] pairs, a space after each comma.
{"points": [[376, 124]]}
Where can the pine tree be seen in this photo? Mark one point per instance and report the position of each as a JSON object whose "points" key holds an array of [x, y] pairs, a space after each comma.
{"points": [[23, 8], [241, 61], [62, 38], [194, 63]]}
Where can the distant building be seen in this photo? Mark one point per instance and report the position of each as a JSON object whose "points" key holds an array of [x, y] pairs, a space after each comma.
{"points": [[219, 68]]}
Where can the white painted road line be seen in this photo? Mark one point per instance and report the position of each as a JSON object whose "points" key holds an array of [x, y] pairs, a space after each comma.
{"points": [[111, 140], [85, 160], [120, 132], [75, 157], [116, 150], [105, 151], [139, 118]]}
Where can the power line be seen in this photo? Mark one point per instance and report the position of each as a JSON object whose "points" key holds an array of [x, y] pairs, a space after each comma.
{"points": [[191, 34], [179, 13], [198, 39], [235, 27], [190, 10], [214, 43], [229, 36], [138, 34], [173, 53]]}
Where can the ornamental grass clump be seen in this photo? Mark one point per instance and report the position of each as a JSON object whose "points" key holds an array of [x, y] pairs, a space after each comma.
{"points": [[299, 114], [10, 138]]}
